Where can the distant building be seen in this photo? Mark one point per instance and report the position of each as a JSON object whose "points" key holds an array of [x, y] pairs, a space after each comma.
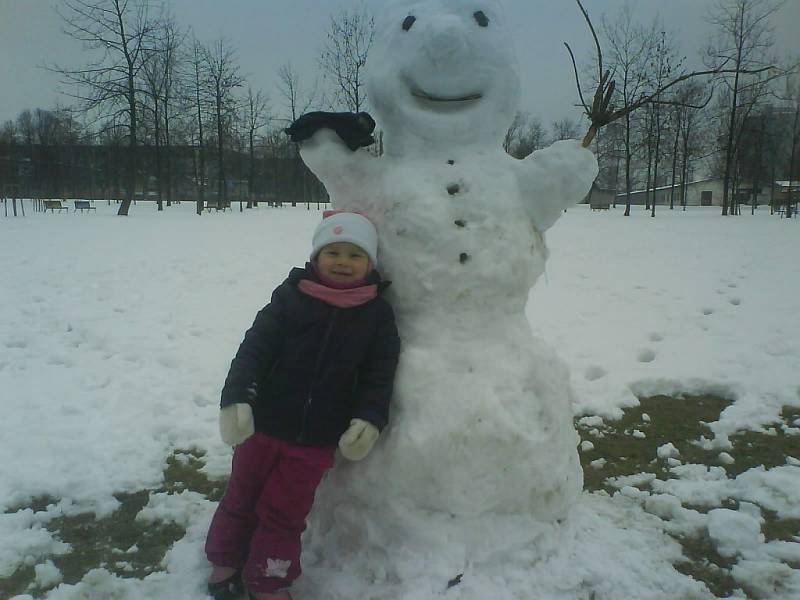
{"points": [[704, 192], [782, 192]]}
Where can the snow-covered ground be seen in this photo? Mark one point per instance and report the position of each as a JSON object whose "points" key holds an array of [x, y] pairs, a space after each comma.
{"points": [[116, 335]]}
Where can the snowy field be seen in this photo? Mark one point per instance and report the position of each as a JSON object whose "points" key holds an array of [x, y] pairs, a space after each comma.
{"points": [[116, 335]]}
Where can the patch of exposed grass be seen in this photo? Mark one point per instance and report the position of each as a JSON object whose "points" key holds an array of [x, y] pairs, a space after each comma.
{"points": [[183, 472], [683, 422], [106, 542], [17, 583], [676, 420], [118, 542], [776, 528], [703, 563], [751, 448]]}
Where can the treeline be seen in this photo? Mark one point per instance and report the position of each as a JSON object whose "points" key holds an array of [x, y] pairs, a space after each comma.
{"points": [[160, 114], [737, 118], [47, 154]]}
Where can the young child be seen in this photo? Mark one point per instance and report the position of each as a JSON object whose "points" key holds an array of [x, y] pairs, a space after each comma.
{"points": [[315, 369]]}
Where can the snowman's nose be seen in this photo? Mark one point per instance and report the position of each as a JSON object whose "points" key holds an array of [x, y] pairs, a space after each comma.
{"points": [[445, 40]]}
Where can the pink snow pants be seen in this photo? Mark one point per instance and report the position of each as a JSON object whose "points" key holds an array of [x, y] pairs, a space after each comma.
{"points": [[259, 520]]}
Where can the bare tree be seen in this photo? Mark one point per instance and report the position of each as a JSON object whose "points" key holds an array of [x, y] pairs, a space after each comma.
{"points": [[296, 102], [8, 132], [171, 39], [296, 99], [743, 44], [565, 129], [160, 86], [524, 135], [602, 111], [663, 67], [256, 116], [791, 97], [195, 95], [530, 138], [223, 78], [26, 127], [689, 100], [631, 48], [344, 56], [120, 31], [513, 131]]}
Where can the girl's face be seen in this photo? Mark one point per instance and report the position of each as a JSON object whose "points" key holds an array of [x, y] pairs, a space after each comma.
{"points": [[342, 262]]}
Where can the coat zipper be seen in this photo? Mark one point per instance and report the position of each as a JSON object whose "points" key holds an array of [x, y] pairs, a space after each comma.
{"points": [[309, 400]]}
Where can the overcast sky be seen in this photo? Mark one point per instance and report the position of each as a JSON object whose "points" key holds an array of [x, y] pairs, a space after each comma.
{"points": [[269, 33]]}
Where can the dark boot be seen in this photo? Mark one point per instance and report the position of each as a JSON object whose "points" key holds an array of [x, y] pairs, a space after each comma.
{"points": [[231, 588]]}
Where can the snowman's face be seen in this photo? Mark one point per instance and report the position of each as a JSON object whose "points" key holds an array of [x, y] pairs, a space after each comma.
{"points": [[443, 71]]}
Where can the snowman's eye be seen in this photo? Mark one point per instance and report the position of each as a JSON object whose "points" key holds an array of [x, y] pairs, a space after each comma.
{"points": [[481, 18], [408, 22]]}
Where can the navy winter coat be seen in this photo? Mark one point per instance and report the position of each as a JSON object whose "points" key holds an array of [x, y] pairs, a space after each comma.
{"points": [[307, 367]]}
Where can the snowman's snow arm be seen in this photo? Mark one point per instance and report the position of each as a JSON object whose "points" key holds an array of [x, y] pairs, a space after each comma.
{"points": [[554, 178], [343, 172]]}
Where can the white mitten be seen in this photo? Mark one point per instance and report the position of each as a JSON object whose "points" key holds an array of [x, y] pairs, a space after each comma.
{"points": [[358, 440], [236, 423]]}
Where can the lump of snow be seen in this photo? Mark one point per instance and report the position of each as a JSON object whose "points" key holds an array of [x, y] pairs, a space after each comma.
{"points": [[665, 506], [598, 464], [674, 462], [765, 579], [791, 460], [586, 445], [645, 417], [638, 434], [667, 450], [726, 458], [634, 493], [592, 421], [47, 575], [734, 532], [632, 480]]}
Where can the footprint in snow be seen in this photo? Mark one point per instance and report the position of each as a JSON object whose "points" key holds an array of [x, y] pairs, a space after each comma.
{"points": [[645, 355], [655, 337], [594, 372], [735, 301], [708, 311]]}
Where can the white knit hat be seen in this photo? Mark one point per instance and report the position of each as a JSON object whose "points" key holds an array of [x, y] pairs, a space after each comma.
{"points": [[346, 227]]}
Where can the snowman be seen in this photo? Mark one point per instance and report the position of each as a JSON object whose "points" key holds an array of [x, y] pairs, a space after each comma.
{"points": [[480, 456]]}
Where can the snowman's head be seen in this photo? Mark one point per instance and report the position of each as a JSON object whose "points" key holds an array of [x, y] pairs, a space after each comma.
{"points": [[442, 73]]}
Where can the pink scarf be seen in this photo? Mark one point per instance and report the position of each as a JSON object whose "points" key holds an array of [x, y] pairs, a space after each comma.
{"points": [[339, 297]]}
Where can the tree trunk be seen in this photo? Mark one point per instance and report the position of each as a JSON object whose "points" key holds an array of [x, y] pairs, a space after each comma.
{"points": [[158, 155], [124, 207], [222, 188], [732, 122], [793, 155], [655, 160], [627, 212], [674, 161], [168, 151]]}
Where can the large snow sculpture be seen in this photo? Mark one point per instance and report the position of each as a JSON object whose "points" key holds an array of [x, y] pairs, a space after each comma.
{"points": [[480, 456]]}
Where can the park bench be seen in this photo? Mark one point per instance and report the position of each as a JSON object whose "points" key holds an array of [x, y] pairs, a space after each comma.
{"points": [[218, 205], [599, 206], [781, 210], [82, 205], [54, 205]]}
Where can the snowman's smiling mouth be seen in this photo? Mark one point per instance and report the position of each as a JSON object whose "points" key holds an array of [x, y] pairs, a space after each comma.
{"points": [[418, 93]]}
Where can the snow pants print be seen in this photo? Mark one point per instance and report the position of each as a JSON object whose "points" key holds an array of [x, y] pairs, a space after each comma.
{"points": [[258, 522]]}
